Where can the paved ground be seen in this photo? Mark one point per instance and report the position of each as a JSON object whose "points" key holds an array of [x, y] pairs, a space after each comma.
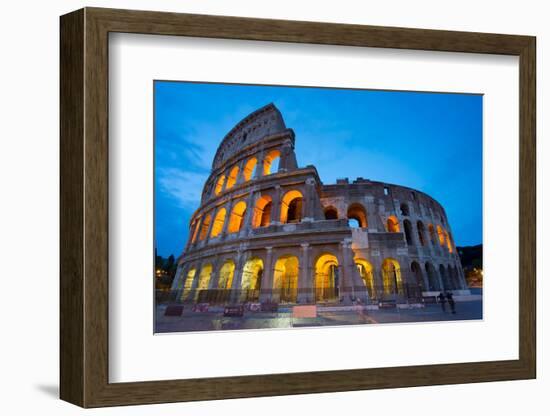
{"points": [[208, 321]]}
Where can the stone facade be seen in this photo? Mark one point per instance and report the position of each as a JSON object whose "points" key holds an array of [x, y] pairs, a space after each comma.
{"points": [[279, 235]]}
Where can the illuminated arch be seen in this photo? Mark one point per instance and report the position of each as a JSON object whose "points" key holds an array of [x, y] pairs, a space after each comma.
{"points": [[205, 226], [441, 235], [365, 271], [252, 274], [219, 184], [285, 278], [196, 230], [227, 271], [408, 232], [204, 277], [291, 207], [391, 277], [331, 213], [219, 220], [432, 233], [232, 177], [250, 168], [271, 157], [236, 219], [392, 224], [358, 212], [188, 284], [326, 277], [449, 243], [262, 212]]}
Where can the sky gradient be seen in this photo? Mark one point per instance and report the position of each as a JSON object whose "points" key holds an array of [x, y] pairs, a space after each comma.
{"points": [[431, 142]]}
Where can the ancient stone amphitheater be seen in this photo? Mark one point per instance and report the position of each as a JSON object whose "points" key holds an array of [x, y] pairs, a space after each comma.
{"points": [[270, 231]]}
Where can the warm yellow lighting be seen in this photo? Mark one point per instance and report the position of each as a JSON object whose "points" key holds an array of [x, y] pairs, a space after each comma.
{"points": [[285, 278], [269, 159], [391, 276], [249, 168], [204, 277], [232, 178], [252, 274], [326, 271], [205, 226], [188, 283], [291, 207], [441, 235], [219, 220], [359, 213], [226, 275], [219, 185], [237, 217], [262, 212], [365, 271], [392, 224]]}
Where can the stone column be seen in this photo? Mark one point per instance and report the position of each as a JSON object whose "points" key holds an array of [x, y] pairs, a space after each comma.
{"points": [[193, 290], [177, 282], [267, 277], [238, 276], [309, 203], [240, 175], [247, 220], [259, 166], [276, 207], [215, 276], [304, 276], [228, 209]]}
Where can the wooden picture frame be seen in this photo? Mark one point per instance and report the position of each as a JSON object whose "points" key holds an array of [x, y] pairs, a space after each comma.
{"points": [[84, 207]]}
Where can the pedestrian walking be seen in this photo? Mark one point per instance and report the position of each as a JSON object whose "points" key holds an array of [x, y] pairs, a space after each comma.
{"points": [[451, 302], [441, 299]]}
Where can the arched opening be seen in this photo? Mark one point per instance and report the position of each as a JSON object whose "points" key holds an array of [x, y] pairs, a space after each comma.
{"points": [[204, 277], [404, 209], [227, 271], [249, 170], [219, 184], [391, 277], [331, 213], [421, 233], [417, 273], [196, 230], [236, 219], [365, 271], [445, 277], [291, 207], [433, 281], [262, 212], [359, 213], [285, 278], [326, 277], [408, 232], [205, 226], [251, 281], [232, 178], [392, 224], [271, 162], [449, 243], [188, 284], [219, 220], [441, 235], [432, 233]]}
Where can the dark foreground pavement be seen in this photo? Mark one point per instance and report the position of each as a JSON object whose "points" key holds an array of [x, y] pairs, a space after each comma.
{"points": [[215, 321]]}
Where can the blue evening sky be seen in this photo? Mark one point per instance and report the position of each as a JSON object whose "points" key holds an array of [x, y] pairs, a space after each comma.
{"points": [[428, 141]]}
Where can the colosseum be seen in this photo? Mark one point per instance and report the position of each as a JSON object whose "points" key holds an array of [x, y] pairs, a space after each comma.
{"points": [[271, 232]]}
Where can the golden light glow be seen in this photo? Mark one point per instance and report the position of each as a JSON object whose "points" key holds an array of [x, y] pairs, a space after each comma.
{"points": [[365, 271], [269, 159], [252, 274], [219, 220], [449, 244], [188, 284], [432, 233], [249, 168], [326, 270], [441, 235], [285, 278], [358, 212], [262, 212], [196, 230], [291, 204], [226, 275], [219, 184], [391, 276], [232, 178], [392, 224], [237, 217], [204, 277], [205, 226]]}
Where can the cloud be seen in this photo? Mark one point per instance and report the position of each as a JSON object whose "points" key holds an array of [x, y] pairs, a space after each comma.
{"points": [[183, 186]]}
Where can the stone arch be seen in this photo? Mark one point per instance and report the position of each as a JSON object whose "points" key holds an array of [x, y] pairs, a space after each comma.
{"points": [[408, 232], [404, 208], [358, 212], [232, 177], [204, 277], [417, 273], [227, 272], [391, 277], [252, 274], [196, 230], [219, 220], [331, 213], [441, 235], [285, 278], [219, 184], [262, 212], [448, 242], [272, 156], [421, 232], [366, 272], [432, 234], [249, 169], [392, 224], [326, 277], [291, 207], [236, 219], [205, 226], [433, 281], [188, 283]]}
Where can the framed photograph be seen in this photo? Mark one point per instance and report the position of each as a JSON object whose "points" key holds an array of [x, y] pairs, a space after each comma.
{"points": [[255, 207]]}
